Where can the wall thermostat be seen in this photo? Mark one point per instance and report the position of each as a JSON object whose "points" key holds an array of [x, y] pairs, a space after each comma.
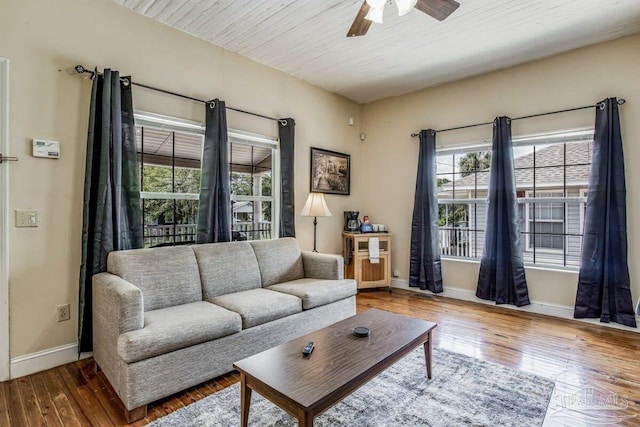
{"points": [[49, 149]]}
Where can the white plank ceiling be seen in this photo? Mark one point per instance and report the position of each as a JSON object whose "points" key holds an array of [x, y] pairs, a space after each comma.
{"points": [[307, 38]]}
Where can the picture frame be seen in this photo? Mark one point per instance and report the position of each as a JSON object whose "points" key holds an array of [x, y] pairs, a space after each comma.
{"points": [[330, 172]]}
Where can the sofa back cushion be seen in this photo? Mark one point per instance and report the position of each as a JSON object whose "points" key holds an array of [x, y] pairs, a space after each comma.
{"points": [[167, 276], [280, 260], [226, 268]]}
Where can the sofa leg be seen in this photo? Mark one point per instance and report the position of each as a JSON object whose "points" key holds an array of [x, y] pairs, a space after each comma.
{"points": [[96, 367], [135, 414]]}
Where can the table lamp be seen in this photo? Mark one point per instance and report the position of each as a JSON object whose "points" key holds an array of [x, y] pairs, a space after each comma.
{"points": [[315, 207]]}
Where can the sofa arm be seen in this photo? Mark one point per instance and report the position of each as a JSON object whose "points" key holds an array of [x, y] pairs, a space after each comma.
{"points": [[322, 266], [117, 301]]}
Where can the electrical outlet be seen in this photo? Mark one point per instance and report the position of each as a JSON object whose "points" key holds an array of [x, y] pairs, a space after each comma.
{"points": [[396, 273], [64, 312]]}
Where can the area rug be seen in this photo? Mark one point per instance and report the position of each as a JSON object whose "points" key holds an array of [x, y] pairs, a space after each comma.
{"points": [[463, 392]]}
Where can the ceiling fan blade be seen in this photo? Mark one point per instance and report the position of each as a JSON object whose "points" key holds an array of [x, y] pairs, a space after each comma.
{"points": [[360, 25], [439, 9]]}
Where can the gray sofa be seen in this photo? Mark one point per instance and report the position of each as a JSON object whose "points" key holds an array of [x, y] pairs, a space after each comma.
{"points": [[166, 319]]}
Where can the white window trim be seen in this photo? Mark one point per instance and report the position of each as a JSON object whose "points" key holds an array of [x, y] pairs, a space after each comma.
{"points": [[5, 365]]}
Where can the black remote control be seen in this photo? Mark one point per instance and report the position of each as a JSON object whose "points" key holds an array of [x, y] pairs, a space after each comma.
{"points": [[308, 349]]}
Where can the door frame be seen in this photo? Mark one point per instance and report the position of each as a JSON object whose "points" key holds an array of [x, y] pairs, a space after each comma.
{"points": [[5, 372]]}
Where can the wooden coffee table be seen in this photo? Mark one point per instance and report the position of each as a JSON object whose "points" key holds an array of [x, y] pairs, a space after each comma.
{"points": [[306, 386]]}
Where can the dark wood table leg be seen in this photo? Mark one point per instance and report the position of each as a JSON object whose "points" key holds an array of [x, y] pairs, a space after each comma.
{"points": [[245, 401], [305, 420], [427, 355]]}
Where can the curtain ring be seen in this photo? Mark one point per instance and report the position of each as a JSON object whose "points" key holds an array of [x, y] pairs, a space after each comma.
{"points": [[212, 104], [433, 132], [125, 81], [283, 122], [601, 105]]}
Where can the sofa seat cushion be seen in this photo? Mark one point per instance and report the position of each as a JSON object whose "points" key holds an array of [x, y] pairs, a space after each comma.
{"points": [[317, 292], [173, 328], [258, 306]]}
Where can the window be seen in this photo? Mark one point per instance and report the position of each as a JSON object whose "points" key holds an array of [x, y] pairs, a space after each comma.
{"points": [[169, 154], [551, 171], [252, 188], [545, 223], [462, 179]]}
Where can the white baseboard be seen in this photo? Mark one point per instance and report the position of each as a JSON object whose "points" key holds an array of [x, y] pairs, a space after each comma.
{"points": [[561, 311], [46, 359]]}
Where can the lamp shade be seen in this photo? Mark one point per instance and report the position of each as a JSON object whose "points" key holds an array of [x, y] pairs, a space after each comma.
{"points": [[315, 206]]}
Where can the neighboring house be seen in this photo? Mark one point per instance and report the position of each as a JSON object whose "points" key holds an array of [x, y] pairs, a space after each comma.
{"points": [[551, 229]]}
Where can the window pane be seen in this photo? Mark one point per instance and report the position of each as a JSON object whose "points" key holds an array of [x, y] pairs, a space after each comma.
{"points": [[170, 163], [157, 179], [251, 176], [187, 180], [252, 220], [548, 155], [266, 184], [524, 179], [579, 153], [557, 211], [578, 177], [241, 184]]}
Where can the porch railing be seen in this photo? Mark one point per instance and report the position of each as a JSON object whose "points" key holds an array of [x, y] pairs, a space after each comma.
{"points": [[159, 234], [455, 241], [260, 230]]}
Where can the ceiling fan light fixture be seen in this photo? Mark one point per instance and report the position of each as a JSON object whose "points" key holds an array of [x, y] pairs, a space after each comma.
{"points": [[375, 14], [376, 4], [405, 6]]}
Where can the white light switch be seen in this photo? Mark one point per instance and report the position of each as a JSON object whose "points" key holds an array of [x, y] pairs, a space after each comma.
{"points": [[26, 218]]}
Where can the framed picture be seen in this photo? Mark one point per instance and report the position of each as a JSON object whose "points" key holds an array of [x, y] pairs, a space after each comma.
{"points": [[330, 172]]}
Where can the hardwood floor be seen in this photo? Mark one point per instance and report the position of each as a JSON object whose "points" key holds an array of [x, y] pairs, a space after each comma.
{"points": [[596, 369]]}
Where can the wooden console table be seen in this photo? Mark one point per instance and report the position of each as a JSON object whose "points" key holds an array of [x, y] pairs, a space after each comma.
{"points": [[366, 274]]}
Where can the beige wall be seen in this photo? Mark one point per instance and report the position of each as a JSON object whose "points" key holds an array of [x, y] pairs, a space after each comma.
{"points": [[577, 78], [41, 38]]}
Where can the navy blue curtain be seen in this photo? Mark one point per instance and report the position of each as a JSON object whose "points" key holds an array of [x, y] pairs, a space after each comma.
{"points": [[214, 212], [287, 131], [603, 283], [112, 218], [425, 269], [502, 277]]}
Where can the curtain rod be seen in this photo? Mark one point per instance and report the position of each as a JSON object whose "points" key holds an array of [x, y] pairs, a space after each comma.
{"points": [[81, 69], [621, 101]]}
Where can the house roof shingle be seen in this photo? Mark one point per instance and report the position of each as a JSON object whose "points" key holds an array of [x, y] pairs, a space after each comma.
{"points": [[549, 172]]}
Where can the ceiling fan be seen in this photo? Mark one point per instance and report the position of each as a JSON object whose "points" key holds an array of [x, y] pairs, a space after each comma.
{"points": [[372, 10]]}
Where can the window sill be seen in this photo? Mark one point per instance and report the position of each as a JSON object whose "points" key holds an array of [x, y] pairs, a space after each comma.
{"points": [[544, 267]]}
